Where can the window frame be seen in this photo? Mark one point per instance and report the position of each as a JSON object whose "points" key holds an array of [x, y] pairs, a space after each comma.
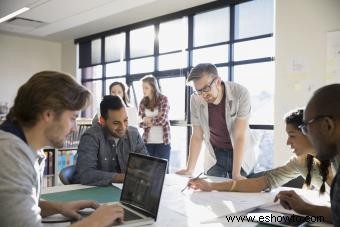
{"points": [[180, 72]]}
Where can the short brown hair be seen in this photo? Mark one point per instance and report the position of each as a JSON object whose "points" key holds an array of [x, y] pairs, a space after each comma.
{"points": [[197, 72], [47, 90]]}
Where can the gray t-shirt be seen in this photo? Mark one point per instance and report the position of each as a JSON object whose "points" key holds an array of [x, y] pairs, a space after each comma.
{"points": [[21, 171]]}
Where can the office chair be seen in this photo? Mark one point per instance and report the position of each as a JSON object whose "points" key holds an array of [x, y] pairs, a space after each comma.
{"points": [[66, 174]]}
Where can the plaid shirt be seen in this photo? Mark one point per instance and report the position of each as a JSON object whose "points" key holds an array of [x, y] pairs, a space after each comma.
{"points": [[161, 120]]}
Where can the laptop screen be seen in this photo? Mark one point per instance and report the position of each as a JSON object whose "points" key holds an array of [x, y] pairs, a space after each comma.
{"points": [[143, 182]]}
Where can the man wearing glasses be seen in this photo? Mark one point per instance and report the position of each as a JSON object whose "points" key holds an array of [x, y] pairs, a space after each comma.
{"points": [[322, 127], [219, 115]]}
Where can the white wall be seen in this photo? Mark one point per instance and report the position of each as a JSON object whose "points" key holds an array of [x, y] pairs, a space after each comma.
{"points": [[301, 27], [20, 58], [69, 57]]}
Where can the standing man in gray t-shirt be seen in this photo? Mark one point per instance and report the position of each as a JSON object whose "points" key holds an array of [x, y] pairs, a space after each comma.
{"points": [[219, 115]]}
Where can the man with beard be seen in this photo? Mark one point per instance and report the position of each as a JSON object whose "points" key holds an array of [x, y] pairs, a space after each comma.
{"points": [[44, 114], [219, 115], [104, 148], [322, 127]]}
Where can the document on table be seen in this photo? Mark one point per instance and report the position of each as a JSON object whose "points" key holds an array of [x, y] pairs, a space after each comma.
{"points": [[209, 205]]}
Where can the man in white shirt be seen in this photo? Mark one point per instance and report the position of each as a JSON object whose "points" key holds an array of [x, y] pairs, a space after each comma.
{"points": [[219, 115]]}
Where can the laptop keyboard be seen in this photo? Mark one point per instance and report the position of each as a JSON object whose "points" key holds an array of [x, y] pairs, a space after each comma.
{"points": [[128, 216]]}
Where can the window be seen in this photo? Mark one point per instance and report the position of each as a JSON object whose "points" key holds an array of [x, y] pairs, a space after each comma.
{"points": [[174, 89], [254, 18], [215, 55], [96, 50], [259, 80], [92, 72], [138, 92], [115, 47], [173, 35], [142, 65], [237, 38], [258, 48], [211, 27], [142, 41], [116, 69], [173, 61], [96, 88]]}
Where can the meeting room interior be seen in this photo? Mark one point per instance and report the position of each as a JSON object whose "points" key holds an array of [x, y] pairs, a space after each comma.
{"points": [[276, 52]]}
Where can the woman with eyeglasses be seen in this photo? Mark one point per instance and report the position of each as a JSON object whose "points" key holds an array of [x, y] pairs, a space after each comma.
{"points": [[154, 110], [316, 173]]}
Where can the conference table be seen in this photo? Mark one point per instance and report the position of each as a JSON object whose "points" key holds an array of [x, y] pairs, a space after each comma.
{"points": [[188, 208]]}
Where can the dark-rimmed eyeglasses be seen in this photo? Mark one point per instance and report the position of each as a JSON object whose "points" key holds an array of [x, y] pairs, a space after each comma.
{"points": [[205, 89], [304, 125]]}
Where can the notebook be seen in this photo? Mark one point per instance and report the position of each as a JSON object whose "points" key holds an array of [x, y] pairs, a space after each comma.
{"points": [[142, 189]]}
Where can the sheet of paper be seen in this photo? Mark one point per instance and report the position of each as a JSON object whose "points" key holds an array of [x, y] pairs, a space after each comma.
{"points": [[210, 204]]}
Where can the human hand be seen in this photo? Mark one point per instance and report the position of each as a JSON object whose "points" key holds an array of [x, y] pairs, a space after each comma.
{"points": [[106, 214], [70, 209], [292, 201], [184, 172], [118, 178], [147, 121], [199, 184]]}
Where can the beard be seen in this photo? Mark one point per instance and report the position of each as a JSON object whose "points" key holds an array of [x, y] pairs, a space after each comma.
{"points": [[53, 135], [57, 143]]}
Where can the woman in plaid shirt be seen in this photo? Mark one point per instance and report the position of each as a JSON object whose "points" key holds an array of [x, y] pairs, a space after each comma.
{"points": [[154, 110]]}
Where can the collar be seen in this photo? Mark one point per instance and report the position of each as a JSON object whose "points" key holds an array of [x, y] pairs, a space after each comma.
{"points": [[13, 128], [227, 91]]}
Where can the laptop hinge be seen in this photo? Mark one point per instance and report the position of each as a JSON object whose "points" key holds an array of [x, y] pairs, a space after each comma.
{"points": [[139, 209]]}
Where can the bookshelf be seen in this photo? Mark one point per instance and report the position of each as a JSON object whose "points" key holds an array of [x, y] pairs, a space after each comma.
{"points": [[57, 159]]}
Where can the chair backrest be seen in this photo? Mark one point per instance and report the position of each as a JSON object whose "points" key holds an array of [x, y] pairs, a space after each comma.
{"points": [[66, 174]]}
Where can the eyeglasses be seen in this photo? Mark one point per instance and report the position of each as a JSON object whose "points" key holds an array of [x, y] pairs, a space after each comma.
{"points": [[304, 125], [205, 89]]}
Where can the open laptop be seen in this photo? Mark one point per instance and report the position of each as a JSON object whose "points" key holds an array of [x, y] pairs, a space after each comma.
{"points": [[141, 193], [142, 189]]}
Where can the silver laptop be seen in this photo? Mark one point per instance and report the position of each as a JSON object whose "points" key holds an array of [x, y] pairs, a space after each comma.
{"points": [[142, 189], [141, 193]]}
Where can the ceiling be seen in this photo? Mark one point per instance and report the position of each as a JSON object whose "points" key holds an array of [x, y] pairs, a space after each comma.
{"points": [[64, 20]]}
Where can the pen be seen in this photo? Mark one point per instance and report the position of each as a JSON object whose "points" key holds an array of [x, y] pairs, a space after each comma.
{"points": [[193, 179]]}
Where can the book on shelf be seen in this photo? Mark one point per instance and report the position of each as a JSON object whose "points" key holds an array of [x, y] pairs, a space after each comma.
{"points": [[66, 157], [49, 170], [49, 161], [57, 159]]}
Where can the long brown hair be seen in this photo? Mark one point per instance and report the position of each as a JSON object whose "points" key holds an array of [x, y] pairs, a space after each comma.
{"points": [[151, 103], [125, 91]]}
